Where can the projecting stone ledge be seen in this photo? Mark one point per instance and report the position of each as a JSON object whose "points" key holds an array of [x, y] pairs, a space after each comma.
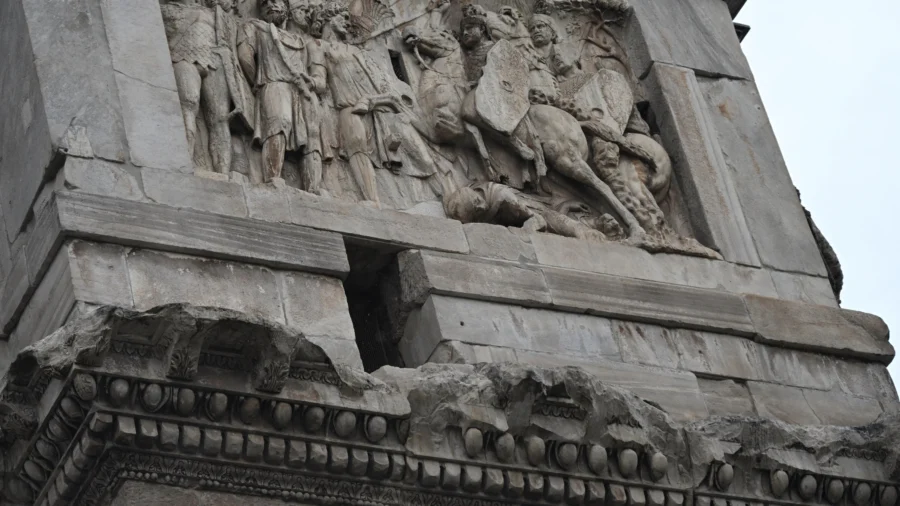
{"points": [[786, 324]]}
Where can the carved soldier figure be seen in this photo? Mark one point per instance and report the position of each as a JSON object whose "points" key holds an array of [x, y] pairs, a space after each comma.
{"points": [[201, 43], [495, 203], [366, 103], [545, 37], [286, 71]]}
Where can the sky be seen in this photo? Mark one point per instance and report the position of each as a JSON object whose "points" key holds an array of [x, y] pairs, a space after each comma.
{"points": [[829, 76]]}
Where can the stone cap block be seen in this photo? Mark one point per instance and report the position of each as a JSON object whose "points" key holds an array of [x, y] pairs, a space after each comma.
{"points": [[190, 231], [785, 324], [819, 328]]}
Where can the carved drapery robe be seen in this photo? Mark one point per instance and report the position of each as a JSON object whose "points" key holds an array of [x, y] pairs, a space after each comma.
{"points": [[281, 57], [354, 78]]}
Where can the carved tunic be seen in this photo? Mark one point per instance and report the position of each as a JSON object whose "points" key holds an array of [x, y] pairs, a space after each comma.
{"points": [[352, 78], [281, 57], [191, 32]]}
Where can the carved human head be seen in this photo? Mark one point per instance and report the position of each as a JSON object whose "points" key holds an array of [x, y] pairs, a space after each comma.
{"points": [[274, 11], [337, 17], [302, 14], [473, 26], [543, 30], [466, 205]]}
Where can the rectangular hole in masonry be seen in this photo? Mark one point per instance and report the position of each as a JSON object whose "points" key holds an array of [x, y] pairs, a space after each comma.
{"points": [[373, 294]]}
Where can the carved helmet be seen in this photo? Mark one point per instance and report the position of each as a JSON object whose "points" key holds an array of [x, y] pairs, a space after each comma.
{"points": [[474, 15]]}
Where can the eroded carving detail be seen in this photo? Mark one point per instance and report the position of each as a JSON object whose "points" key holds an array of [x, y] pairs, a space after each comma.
{"points": [[396, 105]]}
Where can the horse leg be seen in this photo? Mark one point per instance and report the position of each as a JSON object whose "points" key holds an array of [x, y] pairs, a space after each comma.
{"points": [[578, 169], [475, 134]]}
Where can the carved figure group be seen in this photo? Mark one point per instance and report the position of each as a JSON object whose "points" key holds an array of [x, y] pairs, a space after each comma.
{"points": [[537, 130]]}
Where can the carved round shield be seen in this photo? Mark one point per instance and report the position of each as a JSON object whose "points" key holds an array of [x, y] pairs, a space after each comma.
{"points": [[606, 94], [501, 97]]}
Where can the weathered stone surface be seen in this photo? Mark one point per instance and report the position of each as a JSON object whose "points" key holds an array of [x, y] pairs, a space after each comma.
{"points": [[158, 226], [648, 301], [647, 344], [798, 287], [25, 142], [424, 272], [689, 135], [102, 178], [391, 229], [819, 328], [154, 125], [697, 34], [77, 81], [503, 326], [99, 273], [726, 397], [316, 305], [188, 191], [48, 307], [163, 278], [137, 42], [12, 290], [622, 260], [268, 203], [494, 241], [772, 209], [778, 402], [676, 392], [835, 408]]}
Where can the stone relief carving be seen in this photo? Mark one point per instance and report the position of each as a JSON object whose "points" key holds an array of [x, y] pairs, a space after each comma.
{"points": [[524, 114]]}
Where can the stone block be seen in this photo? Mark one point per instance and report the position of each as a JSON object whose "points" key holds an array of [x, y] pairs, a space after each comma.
{"points": [[697, 34], [796, 368], [74, 65], [13, 289], [726, 398], [316, 305], [802, 288], [424, 272], [782, 403], [191, 192], [646, 344], [390, 229], [863, 379], [771, 206], [621, 260], [718, 355], [505, 326], [494, 241], [188, 231], [25, 142], [265, 202], [47, 307], [137, 42], [154, 125], [647, 301], [819, 328], [99, 273], [341, 352], [677, 392], [102, 178], [162, 278], [836, 408], [689, 135]]}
